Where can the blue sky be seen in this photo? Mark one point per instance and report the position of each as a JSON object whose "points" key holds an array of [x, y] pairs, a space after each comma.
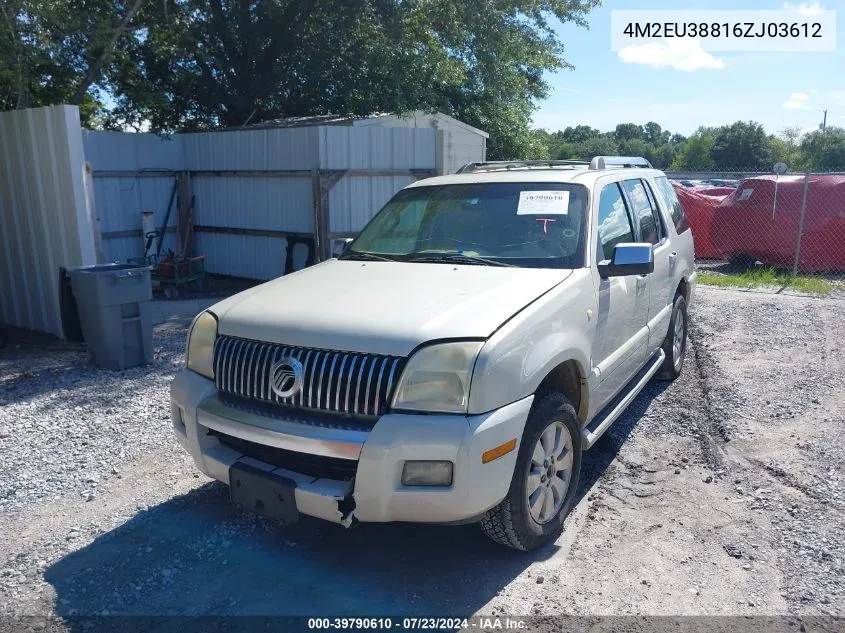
{"points": [[776, 89]]}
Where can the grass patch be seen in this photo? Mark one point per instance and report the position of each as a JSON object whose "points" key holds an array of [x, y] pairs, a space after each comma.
{"points": [[760, 277]]}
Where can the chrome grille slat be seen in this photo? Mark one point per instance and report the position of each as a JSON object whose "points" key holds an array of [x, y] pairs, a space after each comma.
{"points": [[340, 382], [367, 392], [320, 379], [225, 354], [237, 362], [311, 377], [263, 370], [329, 385], [358, 387], [378, 385], [333, 381], [248, 358], [305, 367], [349, 383], [230, 357]]}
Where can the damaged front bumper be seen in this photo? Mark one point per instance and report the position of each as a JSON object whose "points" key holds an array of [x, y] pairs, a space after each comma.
{"points": [[375, 493]]}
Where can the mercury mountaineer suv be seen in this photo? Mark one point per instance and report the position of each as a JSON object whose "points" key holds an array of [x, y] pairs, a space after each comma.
{"points": [[453, 363]]}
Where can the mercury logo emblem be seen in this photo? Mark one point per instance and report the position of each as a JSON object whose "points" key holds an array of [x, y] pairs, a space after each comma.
{"points": [[286, 377]]}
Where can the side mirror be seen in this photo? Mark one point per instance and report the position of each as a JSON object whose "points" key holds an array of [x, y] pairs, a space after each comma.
{"points": [[340, 245], [628, 259]]}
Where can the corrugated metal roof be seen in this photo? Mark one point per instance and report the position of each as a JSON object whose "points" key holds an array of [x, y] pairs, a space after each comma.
{"points": [[310, 121]]}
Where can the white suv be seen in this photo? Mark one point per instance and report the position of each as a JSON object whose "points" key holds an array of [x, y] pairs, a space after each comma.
{"points": [[452, 364]]}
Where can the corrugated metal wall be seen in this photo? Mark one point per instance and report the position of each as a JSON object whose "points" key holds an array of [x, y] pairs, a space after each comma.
{"points": [[126, 184], [356, 198], [254, 189], [257, 202], [44, 223]]}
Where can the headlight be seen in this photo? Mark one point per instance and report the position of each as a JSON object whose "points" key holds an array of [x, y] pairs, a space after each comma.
{"points": [[437, 378], [201, 339]]}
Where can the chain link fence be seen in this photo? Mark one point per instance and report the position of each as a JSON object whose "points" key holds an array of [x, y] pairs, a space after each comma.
{"points": [[791, 224]]}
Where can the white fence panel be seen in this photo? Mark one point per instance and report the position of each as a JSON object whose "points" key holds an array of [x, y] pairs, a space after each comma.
{"points": [[294, 148], [44, 224], [354, 200], [376, 148]]}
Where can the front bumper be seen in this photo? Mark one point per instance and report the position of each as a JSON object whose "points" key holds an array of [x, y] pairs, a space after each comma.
{"points": [[376, 490]]}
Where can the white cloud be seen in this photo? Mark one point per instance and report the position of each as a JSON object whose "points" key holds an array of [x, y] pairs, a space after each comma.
{"points": [[797, 101], [805, 8], [680, 54]]}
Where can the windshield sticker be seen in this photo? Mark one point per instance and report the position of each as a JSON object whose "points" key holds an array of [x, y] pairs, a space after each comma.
{"points": [[543, 203]]}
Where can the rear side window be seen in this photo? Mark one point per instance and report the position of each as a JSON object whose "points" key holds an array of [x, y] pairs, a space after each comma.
{"points": [[667, 194], [614, 223], [645, 216]]}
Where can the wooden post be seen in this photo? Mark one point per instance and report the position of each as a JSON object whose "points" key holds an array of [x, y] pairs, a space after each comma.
{"points": [[182, 216]]}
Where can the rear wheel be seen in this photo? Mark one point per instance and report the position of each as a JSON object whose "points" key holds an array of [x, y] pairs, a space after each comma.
{"points": [[675, 344], [545, 478]]}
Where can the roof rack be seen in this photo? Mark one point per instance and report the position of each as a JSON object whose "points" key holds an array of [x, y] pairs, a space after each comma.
{"points": [[599, 162], [495, 165], [603, 162]]}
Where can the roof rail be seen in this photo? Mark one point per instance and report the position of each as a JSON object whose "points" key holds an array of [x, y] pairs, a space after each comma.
{"points": [[495, 165], [603, 162]]}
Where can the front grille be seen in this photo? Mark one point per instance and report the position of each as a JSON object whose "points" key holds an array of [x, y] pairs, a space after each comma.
{"points": [[316, 466], [312, 418], [338, 382]]}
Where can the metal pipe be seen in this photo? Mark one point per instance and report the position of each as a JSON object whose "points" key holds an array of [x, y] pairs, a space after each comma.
{"points": [[801, 224]]}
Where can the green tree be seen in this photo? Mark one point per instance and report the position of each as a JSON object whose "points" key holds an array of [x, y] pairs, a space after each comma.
{"points": [[55, 51], [696, 153], [824, 150], [741, 145], [653, 133], [597, 146], [580, 134], [204, 64], [628, 132]]}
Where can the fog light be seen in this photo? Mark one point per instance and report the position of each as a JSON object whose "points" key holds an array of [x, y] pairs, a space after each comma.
{"points": [[425, 473]]}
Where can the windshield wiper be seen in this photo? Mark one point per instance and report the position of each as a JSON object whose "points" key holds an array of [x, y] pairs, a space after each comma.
{"points": [[457, 258], [369, 257]]}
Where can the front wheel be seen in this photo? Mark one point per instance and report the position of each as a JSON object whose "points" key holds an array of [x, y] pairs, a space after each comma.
{"points": [[545, 478], [675, 344]]}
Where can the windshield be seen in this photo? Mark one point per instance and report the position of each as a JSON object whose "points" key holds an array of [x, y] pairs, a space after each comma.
{"points": [[537, 225]]}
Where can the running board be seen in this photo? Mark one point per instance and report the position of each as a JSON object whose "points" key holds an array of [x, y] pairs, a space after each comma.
{"points": [[621, 402]]}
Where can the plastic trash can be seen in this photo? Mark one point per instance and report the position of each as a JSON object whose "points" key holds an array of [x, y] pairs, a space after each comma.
{"points": [[114, 302]]}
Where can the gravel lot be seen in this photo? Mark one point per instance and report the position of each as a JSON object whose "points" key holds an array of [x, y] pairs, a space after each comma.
{"points": [[719, 494]]}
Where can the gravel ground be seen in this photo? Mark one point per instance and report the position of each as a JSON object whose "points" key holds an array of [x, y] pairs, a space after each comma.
{"points": [[720, 494]]}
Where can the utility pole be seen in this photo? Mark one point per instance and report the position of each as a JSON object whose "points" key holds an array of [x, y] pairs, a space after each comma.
{"points": [[824, 122]]}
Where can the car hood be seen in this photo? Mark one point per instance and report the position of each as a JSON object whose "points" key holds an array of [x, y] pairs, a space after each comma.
{"points": [[382, 307]]}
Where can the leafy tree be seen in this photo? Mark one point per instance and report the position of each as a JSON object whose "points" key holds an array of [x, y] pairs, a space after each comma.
{"points": [[54, 51], [656, 135], [636, 147], [696, 153], [741, 145], [597, 146], [824, 150], [204, 64], [580, 134], [628, 132]]}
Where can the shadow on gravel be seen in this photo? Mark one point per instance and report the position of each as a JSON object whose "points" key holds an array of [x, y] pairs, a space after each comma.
{"points": [[195, 554], [597, 460]]}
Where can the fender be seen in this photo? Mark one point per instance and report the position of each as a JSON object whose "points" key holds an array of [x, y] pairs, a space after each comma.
{"points": [[516, 358]]}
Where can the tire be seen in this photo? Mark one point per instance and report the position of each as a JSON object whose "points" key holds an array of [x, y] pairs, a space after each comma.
{"points": [[673, 364], [512, 523]]}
